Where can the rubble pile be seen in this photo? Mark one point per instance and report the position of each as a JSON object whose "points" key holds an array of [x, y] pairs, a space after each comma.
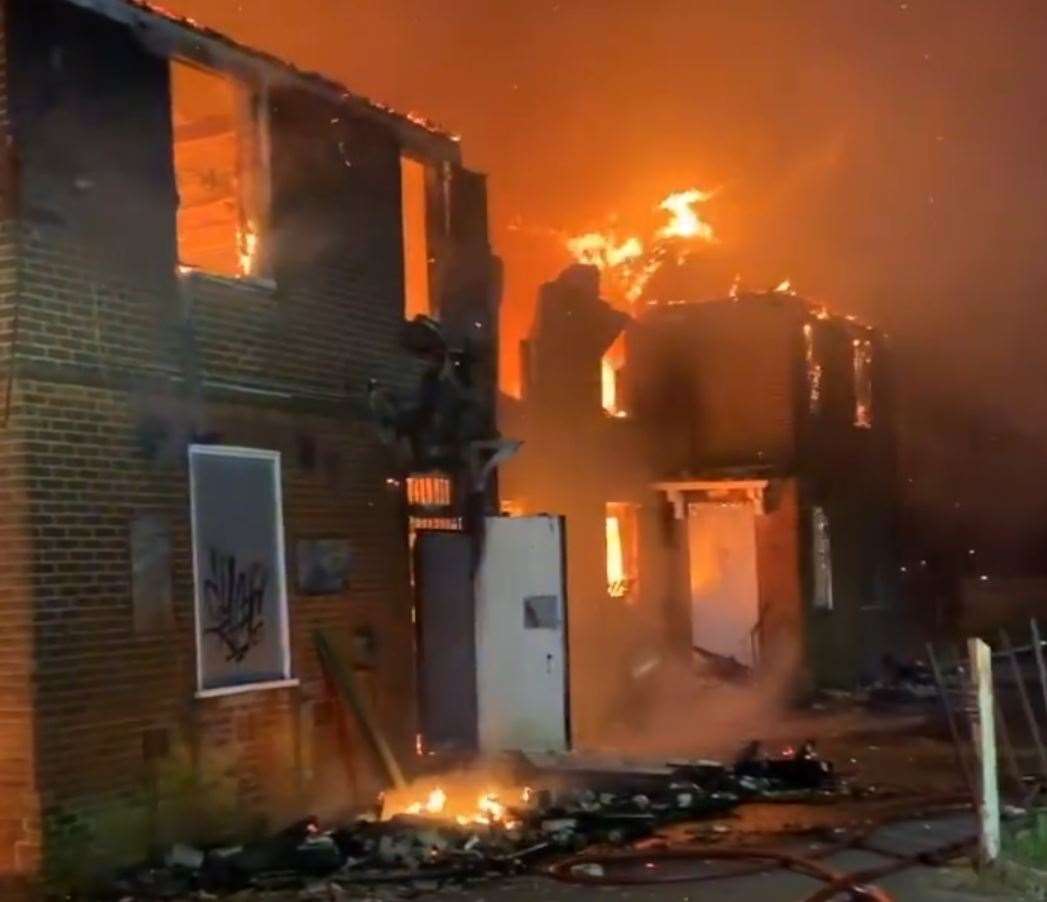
{"points": [[571, 808]]}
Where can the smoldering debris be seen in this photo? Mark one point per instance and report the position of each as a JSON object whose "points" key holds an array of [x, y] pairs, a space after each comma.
{"points": [[568, 804]]}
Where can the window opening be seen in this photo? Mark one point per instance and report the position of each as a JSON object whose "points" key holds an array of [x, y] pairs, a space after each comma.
{"points": [[611, 366], [622, 549], [417, 301], [863, 355], [221, 170], [822, 559], [814, 370]]}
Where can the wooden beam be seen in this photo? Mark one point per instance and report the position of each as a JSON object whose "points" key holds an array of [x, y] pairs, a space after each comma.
{"points": [[342, 677]]}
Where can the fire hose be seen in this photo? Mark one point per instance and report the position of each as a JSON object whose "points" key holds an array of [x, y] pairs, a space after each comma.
{"points": [[857, 885]]}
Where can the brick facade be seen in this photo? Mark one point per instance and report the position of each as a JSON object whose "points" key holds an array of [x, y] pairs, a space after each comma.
{"points": [[117, 365]]}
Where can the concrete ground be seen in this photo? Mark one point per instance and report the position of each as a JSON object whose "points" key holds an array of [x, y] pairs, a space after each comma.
{"points": [[900, 757], [953, 883], [906, 760]]}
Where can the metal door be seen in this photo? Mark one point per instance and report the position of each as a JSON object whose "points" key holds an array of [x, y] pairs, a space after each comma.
{"points": [[446, 616], [521, 635]]}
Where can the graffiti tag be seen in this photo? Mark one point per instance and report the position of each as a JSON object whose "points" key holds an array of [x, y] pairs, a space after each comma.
{"points": [[233, 597]]}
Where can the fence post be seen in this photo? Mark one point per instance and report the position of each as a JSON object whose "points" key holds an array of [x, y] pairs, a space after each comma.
{"points": [[985, 746]]}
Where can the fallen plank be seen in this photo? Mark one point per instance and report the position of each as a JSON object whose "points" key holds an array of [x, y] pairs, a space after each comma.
{"points": [[342, 677]]}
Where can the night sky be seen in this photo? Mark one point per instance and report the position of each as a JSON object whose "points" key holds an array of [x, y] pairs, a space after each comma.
{"points": [[890, 158]]}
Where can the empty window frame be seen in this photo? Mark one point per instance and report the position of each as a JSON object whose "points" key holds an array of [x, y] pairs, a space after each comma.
{"points": [[622, 537], [863, 393], [611, 366], [415, 214], [221, 162], [242, 631], [821, 561], [813, 369]]}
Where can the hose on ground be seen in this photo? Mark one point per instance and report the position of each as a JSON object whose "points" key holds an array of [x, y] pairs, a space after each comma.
{"points": [[857, 885]]}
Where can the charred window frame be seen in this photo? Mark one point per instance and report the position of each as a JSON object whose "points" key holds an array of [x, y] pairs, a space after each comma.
{"points": [[221, 155], [821, 561], [863, 388], [813, 369]]}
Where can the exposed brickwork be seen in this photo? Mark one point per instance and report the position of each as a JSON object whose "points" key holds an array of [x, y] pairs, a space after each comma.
{"points": [[19, 815], [20, 829], [119, 364]]}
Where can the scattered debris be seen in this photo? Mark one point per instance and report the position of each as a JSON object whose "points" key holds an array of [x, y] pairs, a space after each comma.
{"points": [[574, 804]]}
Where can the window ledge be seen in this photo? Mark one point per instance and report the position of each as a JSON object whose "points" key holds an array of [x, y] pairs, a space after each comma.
{"points": [[250, 283], [240, 688]]}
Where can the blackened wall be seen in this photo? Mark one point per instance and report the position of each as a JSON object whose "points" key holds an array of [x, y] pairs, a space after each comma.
{"points": [[852, 473], [732, 376], [734, 363]]}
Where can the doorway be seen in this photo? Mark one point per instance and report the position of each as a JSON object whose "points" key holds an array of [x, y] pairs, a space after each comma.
{"points": [[724, 589]]}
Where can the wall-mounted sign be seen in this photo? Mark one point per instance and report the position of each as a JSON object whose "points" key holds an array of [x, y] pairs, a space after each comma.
{"points": [[323, 566]]}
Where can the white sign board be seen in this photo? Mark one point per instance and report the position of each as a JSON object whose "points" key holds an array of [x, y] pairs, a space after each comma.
{"points": [[238, 567]]}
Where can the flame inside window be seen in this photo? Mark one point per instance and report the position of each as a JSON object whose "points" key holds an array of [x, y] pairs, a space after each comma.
{"points": [[220, 170], [611, 365], [622, 549]]}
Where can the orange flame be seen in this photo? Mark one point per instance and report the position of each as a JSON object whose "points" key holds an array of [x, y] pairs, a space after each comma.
{"points": [[602, 250], [628, 261], [464, 808], [685, 222], [248, 251]]}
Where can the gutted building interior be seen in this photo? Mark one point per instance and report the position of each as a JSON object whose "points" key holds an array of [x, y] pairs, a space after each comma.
{"points": [[721, 464]]}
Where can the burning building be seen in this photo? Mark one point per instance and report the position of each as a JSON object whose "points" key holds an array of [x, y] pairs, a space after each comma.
{"points": [[207, 259], [726, 470]]}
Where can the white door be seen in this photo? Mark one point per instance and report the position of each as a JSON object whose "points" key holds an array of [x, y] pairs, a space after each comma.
{"points": [[521, 645], [725, 605]]}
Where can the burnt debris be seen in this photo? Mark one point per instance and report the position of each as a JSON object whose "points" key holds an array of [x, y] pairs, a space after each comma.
{"points": [[574, 806]]}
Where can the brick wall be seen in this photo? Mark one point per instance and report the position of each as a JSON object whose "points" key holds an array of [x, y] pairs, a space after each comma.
{"points": [[19, 804], [101, 687], [119, 365]]}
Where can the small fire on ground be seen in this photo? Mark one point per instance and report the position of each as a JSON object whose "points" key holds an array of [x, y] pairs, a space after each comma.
{"points": [[463, 805]]}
